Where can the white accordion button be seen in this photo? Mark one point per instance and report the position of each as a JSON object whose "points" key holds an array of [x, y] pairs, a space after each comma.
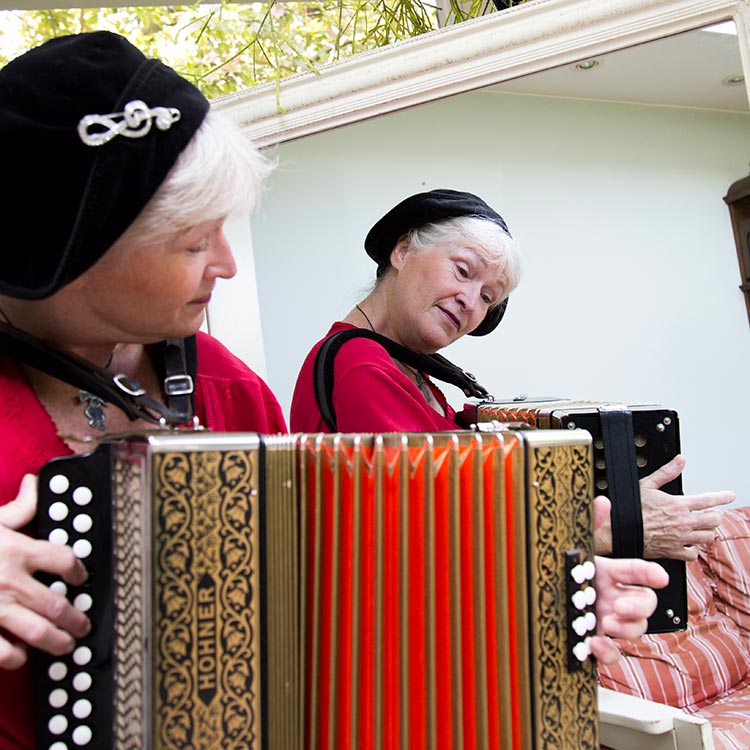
{"points": [[82, 682], [83, 602], [590, 619], [58, 698], [577, 574], [589, 569], [590, 594], [579, 600], [82, 655], [82, 523], [58, 746], [579, 626], [82, 709], [59, 587], [57, 724], [82, 548], [581, 651], [58, 536], [58, 511], [57, 671], [82, 495], [58, 484], [82, 735]]}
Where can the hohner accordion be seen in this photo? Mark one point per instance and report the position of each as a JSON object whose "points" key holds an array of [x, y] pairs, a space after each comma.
{"points": [[325, 591], [630, 441]]}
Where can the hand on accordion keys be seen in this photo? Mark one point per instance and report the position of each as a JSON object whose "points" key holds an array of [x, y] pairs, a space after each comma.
{"points": [[30, 613], [625, 598], [673, 525]]}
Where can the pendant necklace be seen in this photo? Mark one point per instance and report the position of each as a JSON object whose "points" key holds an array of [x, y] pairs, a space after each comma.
{"points": [[93, 405]]}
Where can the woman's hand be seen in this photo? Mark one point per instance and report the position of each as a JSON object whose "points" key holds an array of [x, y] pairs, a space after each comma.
{"points": [[30, 613], [625, 599], [673, 525]]}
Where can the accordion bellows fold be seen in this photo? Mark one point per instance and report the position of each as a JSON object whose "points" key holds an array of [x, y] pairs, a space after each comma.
{"points": [[329, 591]]}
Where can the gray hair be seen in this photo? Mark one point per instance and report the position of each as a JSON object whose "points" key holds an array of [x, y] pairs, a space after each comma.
{"points": [[487, 238], [219, 173]]}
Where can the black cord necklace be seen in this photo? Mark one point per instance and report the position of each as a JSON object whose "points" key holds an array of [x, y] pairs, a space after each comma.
{"points": [[364, 315]]}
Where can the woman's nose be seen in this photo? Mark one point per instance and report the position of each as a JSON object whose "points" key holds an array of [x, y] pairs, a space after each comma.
{"points": [[223, 263], [468, 298]]}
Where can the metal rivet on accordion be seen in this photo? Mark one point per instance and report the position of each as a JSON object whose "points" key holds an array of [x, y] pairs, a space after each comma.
{"points": [[660, 427], [667, 421]]}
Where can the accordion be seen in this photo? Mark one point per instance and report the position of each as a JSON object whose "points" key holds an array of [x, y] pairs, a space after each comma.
{"points": [[310, 591], [630, 441]]}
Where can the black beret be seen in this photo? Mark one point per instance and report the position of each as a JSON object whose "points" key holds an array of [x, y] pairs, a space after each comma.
{"points": [[428, 208], [67, 199]]}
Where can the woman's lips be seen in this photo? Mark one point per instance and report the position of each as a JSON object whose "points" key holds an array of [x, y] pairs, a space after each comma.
{"points": [[201, 300], [453, 319]]}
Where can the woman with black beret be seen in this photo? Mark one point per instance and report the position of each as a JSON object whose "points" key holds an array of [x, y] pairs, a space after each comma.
{"points": [[118, 180], [446, 264]]}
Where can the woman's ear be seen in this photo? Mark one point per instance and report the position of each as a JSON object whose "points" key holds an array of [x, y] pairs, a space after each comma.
{"points": [[400, 251]]}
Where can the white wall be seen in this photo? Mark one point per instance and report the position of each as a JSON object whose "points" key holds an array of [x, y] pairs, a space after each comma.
{"points": [[631, 283]]}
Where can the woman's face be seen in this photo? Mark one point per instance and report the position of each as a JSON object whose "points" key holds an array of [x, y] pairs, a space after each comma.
{"points": [[145, 293], [439, 294]]}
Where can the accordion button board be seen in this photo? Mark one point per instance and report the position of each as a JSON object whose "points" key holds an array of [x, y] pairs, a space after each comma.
{"points": [[655, 440], [325, 591]]}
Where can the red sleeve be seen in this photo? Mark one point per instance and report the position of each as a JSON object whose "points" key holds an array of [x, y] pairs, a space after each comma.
{"points": [[229, 396]]}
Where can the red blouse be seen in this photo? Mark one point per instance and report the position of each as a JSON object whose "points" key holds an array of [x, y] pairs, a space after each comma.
{"points": [[370, 393], [228, 397]]}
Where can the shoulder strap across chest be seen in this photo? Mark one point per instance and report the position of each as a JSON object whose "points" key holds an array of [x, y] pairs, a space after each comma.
{"points": [[434, 365]]}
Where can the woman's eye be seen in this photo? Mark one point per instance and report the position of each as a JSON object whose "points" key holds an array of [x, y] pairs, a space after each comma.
{"points": [[199, 247], [486, 299], [462, 270]]}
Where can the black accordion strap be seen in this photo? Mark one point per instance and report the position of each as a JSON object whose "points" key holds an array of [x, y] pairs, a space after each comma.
{"points": [[176, 364], [434, 365], [120, 390], [622, 480]]}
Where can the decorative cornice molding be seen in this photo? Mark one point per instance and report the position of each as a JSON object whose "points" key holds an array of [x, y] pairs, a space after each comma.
{"points": [[525, 39]]}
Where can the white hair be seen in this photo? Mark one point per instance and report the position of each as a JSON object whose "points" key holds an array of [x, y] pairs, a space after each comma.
{"points": [[494, 246], [219, 173]]}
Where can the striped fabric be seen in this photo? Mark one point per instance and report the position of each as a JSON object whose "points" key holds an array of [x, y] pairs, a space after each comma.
{"points": [[706, 668]]}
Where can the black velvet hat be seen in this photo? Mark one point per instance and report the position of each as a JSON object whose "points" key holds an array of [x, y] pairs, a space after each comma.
{"points": [[89, 129], [428, 208]]}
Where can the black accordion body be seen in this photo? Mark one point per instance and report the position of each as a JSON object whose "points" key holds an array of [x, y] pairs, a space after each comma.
{"points": [[326, 591], [630, 441]]}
